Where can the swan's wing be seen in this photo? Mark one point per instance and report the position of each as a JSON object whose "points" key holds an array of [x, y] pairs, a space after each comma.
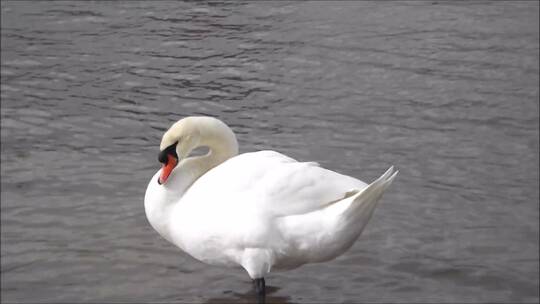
{"points": [[273, 184]]}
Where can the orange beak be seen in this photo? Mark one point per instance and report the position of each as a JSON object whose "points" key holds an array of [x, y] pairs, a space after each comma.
{"points": [[167, 168]]}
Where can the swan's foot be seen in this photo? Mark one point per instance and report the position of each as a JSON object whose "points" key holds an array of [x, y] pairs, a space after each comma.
{"points": [[260, 289]]}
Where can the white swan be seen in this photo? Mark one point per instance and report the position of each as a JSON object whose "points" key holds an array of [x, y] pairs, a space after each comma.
{"points": [[261, 210]]}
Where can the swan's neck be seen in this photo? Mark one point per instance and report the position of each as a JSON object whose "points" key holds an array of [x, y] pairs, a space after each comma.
{"points": [[159, 199], [222, 145]]}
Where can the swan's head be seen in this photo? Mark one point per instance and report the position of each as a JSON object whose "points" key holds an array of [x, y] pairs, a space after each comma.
{"points": [[189, 133], [181, 138]]}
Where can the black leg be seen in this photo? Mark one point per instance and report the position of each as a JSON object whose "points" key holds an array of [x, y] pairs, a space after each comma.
{"points": [[260, 289]]}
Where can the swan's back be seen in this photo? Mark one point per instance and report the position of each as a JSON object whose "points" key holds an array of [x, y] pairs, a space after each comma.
{"points": [[271, 182]]}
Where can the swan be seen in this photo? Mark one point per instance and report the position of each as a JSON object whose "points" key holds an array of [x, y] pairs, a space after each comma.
{"points": [[260, 210]]}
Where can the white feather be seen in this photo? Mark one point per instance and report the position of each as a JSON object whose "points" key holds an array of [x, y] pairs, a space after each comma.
{"points": [[261, 210]]}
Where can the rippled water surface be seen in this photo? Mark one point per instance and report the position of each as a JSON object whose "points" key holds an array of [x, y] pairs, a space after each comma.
{"points": [[446, 91]]}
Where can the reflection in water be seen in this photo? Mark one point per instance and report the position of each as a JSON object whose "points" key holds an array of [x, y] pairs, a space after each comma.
{"points": [[250, 297], [446, 91]]}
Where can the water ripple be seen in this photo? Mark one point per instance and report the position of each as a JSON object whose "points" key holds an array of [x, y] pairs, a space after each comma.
{"points": [[446, 91]]}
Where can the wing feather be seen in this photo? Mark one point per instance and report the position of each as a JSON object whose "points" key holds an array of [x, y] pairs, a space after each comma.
{"points": [[273, 184]]}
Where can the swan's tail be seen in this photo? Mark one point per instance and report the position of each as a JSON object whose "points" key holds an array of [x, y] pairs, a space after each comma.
{"points": [[352, 214], [365, 201]]}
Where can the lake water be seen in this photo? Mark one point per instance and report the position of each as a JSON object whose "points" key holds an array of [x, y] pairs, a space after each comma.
{"points": [[445, 91]]}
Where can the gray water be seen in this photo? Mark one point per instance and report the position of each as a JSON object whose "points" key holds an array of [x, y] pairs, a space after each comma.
{"points": [[445, 91]]}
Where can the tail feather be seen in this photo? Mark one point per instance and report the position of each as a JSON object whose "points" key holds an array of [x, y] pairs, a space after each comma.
{"points": [[365, 201], [335, 228], [353, 213]]}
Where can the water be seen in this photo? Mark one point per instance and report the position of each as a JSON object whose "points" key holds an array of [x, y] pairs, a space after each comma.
{"points": [[446, 91]]}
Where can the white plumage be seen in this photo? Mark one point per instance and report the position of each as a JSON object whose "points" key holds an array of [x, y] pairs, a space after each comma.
{"points": [[261, 210]]}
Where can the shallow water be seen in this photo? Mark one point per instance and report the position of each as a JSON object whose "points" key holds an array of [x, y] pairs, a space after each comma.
{"points": [[445, 91]]}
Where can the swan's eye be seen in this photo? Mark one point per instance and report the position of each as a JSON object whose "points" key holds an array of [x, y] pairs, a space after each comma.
{"points": [[163, 158]]}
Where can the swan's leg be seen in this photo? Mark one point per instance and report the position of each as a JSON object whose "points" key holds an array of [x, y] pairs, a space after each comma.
{"points": [[257, 262], [260, 289]]}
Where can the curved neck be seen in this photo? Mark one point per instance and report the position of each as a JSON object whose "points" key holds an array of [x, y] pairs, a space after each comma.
{"points": [[222, 145], [199, 165], [208, 132]]}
